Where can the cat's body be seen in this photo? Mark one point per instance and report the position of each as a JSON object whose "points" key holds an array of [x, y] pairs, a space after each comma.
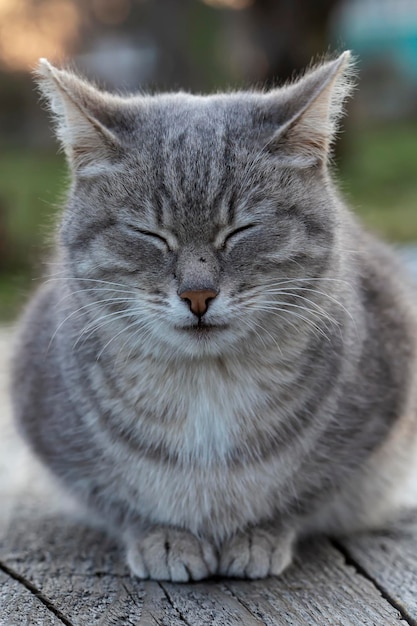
{"points": [[226, 360]]}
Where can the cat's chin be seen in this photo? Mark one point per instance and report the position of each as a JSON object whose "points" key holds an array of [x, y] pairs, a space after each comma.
{"points": [[203, 339]]}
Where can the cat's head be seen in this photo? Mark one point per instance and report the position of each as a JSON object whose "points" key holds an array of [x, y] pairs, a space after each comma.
{"points": [[200, 224]]}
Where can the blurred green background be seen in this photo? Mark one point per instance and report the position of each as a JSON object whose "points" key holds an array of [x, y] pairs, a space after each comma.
{"points": [[203, 45]]}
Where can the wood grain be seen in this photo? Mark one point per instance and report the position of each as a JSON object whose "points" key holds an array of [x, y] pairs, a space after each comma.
{"points": [[320, 589], [389, 559], [80, 574], [21, 607]]}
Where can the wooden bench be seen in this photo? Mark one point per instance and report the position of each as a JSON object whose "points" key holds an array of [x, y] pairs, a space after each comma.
{"points": [[55, 572]]}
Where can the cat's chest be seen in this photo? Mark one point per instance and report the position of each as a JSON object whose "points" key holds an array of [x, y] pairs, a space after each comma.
{"points": [[201, 413], [187, 459], [194, 414], [206, 425]]}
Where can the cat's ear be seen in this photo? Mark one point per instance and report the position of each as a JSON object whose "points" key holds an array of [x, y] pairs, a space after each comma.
{"points": [[82, 115], [308, 112]]}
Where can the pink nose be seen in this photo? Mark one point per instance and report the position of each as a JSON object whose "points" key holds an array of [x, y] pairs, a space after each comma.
{"points": [[198, 299]]}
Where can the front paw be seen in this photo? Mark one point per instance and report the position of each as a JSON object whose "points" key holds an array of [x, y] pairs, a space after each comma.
{"points": [[257, 553], [164, 553]]}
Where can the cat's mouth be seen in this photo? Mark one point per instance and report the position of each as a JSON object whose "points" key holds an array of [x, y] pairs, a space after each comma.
{"points": [[202, 328]]}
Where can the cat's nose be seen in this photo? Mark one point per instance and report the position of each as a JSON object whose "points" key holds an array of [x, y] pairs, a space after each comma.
{"points": [[198, 299]]}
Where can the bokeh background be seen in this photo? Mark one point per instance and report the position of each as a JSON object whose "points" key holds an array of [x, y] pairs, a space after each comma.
{"points": [[203, 45]]}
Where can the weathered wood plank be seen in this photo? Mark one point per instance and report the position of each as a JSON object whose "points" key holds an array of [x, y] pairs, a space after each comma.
{"points": [[156, 609], [84, 576], [318, 589], [209, 602], [20, 607], [82, 573], [390, 560]]}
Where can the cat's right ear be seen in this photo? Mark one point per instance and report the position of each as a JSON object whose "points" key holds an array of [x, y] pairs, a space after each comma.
{"points": [[82, 115]]}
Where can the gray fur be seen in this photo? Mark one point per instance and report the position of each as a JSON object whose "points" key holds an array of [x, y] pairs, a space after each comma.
{"points": [[291, 408]]}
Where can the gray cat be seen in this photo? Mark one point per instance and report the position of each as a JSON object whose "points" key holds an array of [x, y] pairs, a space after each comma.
{"points": [[225, 361]]}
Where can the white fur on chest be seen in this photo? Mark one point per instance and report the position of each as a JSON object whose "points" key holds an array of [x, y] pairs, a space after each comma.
{"points": [[201, 414], [201, 410], [209, 428]]}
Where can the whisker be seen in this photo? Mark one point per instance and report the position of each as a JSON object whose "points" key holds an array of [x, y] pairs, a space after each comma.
{"points": [[263, 329], [277, 289], [95, 289], [317, 291], [319, 311], [283, 281], [294, 306], [144, 326], [115, 337], [94, 325], [81, 308], [276, 310], [91, 280]]}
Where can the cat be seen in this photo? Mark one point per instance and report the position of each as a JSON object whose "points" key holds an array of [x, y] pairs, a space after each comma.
{"points": [[226, 361]]}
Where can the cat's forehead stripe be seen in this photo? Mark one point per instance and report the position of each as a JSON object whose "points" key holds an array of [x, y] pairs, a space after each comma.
{"points": [[194, 175]]}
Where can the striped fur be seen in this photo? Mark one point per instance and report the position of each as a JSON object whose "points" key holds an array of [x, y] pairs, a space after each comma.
{"points": [[292, 409]]}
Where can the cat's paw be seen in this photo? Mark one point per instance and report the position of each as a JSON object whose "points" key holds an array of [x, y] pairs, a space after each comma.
{"points": [[256, 553], [165, 553]]}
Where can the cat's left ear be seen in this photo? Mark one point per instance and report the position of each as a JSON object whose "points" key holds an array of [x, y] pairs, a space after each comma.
{"points": [[85, 119], [307, 112]]}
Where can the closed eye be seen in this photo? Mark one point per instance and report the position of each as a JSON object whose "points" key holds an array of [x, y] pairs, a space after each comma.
{"points": [[149, 234], [237, 232]]}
